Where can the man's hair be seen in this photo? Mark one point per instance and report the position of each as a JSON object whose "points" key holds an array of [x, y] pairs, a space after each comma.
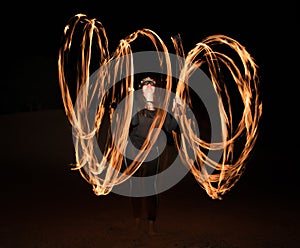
{"points": [[146, 81]]}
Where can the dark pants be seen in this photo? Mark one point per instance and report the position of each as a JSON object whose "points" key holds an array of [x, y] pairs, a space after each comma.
{"points": [[147, 169]]}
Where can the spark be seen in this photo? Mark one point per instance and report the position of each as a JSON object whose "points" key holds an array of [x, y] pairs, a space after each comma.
{"points": [[102, 168]]}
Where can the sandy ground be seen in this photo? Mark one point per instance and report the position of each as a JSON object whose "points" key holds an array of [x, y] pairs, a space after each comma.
{"points": [[45, 204]]}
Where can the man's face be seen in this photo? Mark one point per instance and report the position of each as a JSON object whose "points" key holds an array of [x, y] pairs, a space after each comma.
{"points": [[148, 88]]}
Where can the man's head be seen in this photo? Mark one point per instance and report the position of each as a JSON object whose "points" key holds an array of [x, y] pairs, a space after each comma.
{"points": [[148, 86], [147, 81]]}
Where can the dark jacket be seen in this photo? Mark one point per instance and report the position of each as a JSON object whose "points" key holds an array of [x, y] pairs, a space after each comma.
{"points": [[141, 123]]}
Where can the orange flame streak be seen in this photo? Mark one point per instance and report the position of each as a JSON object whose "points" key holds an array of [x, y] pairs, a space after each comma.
{"points": [[247, 83], [226, 172]]}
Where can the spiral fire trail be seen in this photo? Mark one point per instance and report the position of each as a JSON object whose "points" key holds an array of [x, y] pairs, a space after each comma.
{"points": [[102, 169]]}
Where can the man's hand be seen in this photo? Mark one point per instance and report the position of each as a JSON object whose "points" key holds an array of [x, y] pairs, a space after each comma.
{"points": [[176, 101]]}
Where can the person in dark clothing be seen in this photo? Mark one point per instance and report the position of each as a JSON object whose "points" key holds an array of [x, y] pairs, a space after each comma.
{"points": [[139, 130]]}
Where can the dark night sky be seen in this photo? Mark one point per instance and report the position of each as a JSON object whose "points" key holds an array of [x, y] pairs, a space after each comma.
{"points": [[31, 35]]}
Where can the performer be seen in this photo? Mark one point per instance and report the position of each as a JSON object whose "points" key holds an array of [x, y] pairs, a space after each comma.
{"points": [[140, 126]]}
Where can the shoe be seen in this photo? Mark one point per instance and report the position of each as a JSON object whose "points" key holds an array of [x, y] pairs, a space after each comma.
{"points": [[151, 228], [137, 226]]}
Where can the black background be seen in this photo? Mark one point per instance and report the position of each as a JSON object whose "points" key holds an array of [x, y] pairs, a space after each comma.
{"points": [[31, 35]]}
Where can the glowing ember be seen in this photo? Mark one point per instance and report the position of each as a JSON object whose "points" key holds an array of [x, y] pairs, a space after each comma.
{"points": [[231, 70]]}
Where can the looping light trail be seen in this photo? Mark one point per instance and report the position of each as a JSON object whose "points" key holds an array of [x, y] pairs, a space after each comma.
{"points": [[234, 68]]}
